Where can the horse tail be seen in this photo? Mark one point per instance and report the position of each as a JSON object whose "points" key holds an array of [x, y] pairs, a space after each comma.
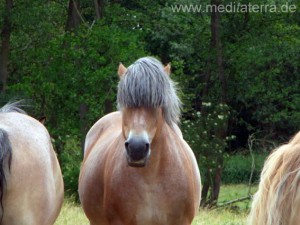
{"points": [[5, 153], [14, 107]]}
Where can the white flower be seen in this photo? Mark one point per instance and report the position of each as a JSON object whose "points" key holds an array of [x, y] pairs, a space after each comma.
{"points": [[206, 103], [221, 117]]}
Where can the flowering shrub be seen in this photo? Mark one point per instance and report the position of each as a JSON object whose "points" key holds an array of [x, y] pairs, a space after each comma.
{"points": [[201, 133]]}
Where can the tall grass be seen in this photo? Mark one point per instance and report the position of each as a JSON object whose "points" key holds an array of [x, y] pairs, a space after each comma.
{"points": [[235, 214]]}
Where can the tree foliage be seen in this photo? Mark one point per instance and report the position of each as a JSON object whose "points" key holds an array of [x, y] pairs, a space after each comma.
{"points": [[63, 70]]}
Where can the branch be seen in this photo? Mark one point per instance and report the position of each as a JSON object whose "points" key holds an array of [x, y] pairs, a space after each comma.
{"points": [[233, 201], [250, 144], [79, 14]]}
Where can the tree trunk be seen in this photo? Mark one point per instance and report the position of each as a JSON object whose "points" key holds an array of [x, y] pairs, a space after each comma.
{"points": [[5, 42], [83, 110], [99, 8], [74, 18], [205, 188], [108, 106], [217, 182], [213, 181], [222, 132]]}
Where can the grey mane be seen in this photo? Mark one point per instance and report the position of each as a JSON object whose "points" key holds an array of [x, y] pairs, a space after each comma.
{"points": [[13, 107], [145, 84]]}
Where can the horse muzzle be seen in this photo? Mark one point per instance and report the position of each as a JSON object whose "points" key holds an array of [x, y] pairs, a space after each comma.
{"points": [[137, 151]]}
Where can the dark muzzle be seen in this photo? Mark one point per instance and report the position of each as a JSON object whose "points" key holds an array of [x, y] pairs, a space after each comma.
{"points": [[137, 151]]}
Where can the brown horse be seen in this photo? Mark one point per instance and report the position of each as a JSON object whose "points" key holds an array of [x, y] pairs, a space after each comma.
{"points": [[31, 185], [137, 169], [277, 201]]}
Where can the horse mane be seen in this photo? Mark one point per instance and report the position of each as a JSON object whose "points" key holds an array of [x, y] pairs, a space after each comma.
{"points": [[5, 147], [277, 200], [146, 84]]}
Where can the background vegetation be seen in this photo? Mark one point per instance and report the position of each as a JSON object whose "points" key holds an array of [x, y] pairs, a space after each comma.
{"points": [[238, 74]]}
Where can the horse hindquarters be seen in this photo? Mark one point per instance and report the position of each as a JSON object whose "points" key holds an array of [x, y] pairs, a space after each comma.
{"points": [[58, 192], [34, 185], [30, 202]]}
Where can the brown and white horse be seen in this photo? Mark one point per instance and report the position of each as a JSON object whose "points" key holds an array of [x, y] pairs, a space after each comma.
{"points": [[277, 201], [137, 169], [31, 185]]}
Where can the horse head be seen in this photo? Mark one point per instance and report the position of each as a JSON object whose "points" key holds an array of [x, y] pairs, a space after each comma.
{"points": [[143, 91]]}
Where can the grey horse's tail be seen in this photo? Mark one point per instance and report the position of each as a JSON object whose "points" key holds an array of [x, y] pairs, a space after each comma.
{"points": [[6, 148], [14, 107], [5, 154]]}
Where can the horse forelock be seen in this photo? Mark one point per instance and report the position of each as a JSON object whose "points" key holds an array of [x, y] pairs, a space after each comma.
{"points": [[145, 84], [278, 198]]}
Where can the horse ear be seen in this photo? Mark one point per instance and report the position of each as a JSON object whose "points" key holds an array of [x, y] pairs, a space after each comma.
{"points": [[122, 70], [42, 119], [167, 69]]}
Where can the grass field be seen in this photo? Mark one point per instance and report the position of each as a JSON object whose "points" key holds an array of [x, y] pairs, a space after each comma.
{"points": [[236, 214]]}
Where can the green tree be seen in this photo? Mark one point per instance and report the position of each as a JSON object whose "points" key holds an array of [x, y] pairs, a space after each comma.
{"points": [[5, 44], [68, 69]]}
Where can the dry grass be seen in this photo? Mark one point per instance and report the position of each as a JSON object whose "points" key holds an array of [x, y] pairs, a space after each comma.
{"points": [[72, 213], [220, 217]]}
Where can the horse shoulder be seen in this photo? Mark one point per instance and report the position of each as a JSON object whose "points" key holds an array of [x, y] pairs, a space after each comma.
{"points": [[111, 120], [99, 149], [185, 152]]}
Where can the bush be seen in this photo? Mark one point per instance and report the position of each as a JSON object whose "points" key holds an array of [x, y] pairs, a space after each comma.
{"points": [[201, 133], [237, 168], [70, 160]]}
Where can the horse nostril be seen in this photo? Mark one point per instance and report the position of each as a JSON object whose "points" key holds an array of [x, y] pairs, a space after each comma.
{"points": [[126, 144], [147, 146]]}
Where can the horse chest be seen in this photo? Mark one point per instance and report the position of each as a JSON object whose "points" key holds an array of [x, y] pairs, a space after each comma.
{"points": [[151, 210], [148, 203]]}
